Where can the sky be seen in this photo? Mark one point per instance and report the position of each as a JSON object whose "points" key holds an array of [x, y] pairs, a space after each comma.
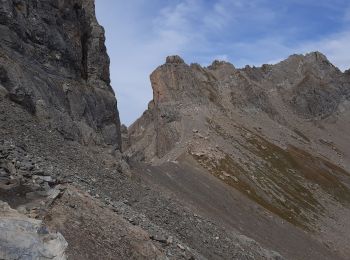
{"points": [[141, 33]]}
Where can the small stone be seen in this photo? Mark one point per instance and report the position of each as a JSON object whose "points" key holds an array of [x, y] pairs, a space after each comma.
{"points": [[3, 91], [133, 221], [225, 174], [169, 240], [46, 178], [234, 178], [181, 246]]}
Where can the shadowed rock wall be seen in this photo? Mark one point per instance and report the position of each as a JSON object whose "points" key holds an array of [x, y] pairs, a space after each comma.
{"points": [[54, 63]]}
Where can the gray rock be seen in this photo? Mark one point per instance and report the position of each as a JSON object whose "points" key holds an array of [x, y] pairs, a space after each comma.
{"points": [[54, 63], [3, 91], [24, 238]]}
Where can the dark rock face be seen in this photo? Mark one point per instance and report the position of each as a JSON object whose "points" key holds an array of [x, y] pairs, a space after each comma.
{"points": [[53, 62], [313, 98], [316, 88]]}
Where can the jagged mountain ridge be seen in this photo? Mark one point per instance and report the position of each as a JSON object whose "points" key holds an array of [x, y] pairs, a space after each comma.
{"points": [[309, 87], [277, 134]]}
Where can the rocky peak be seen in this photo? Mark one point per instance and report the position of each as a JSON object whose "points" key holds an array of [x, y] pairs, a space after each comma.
{"points": [[217, 64], [174, 59], [174, 81], [316, 56], [314, 62], [221, 70]]}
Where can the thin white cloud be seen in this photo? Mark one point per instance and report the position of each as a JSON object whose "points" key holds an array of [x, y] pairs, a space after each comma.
{"points": [[347, 15], [231, 12], [138, 41], [177, 17], [274, 49], [218, 18], [335, 47]]}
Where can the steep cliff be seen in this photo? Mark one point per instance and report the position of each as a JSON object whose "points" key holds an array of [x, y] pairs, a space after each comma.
{"points": [[53, 62]]}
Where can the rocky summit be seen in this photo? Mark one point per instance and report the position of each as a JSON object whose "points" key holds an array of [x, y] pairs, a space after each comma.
{"points": [[226, 162]]}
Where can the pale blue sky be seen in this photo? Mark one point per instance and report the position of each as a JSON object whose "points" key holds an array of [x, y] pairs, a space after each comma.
{"points": [[141, 33]]}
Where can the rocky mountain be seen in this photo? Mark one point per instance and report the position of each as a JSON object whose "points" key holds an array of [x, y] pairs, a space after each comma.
{"points": [[226, 163], [276, 134]]}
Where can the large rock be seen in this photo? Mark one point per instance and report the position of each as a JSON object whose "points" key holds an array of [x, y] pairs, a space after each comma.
{"points": [[25, 238], [53, 62]]}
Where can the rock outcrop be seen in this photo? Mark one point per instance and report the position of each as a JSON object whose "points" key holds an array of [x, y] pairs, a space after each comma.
{"points": [[25, 238], [53, 62]]}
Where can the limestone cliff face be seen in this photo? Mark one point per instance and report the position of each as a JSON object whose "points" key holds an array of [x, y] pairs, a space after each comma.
{"points": [[53, 62], [174, 84], [176, 88]]}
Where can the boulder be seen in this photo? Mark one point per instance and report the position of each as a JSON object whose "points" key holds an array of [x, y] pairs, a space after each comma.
{"points": [[26, 238]]}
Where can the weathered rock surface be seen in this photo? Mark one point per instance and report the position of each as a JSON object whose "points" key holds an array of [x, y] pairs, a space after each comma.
{"points": [[25, 238], [53, 62], [276, 134]]}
